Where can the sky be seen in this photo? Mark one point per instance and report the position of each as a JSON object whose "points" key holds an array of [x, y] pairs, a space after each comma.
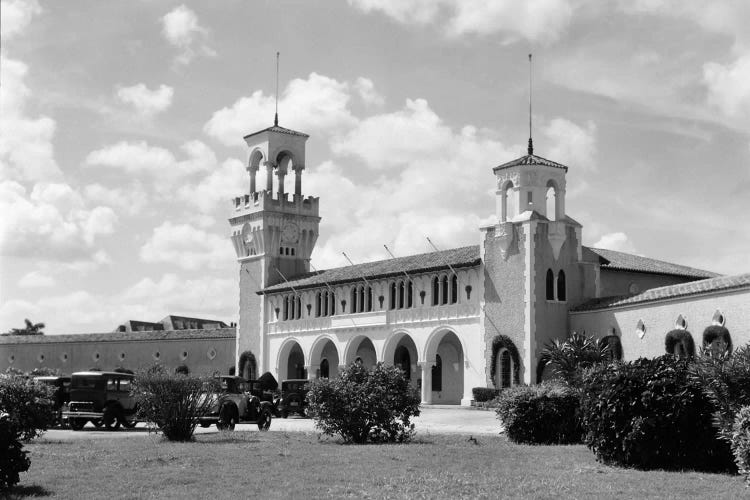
{"points": [[121, 126]]}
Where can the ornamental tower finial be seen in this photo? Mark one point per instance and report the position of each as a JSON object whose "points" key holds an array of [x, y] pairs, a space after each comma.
{"points": [[276, 115], [531, 143]]}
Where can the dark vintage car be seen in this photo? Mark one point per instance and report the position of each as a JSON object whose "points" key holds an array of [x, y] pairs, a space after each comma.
{"points": [[61, 386], [235, 403], [293, 397], [102, 398]]}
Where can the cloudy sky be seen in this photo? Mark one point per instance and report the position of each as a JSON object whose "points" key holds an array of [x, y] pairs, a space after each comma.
{"points": [[122, 122]]}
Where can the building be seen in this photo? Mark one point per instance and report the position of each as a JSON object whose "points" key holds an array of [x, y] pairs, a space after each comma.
{"points": [[456, 319], [203, 346]]}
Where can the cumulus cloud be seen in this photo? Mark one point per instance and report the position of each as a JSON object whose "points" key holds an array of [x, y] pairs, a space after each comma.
{"points": [[36, 279], [180, 28], [571, 144], [51, 222], [615, 241], [130, 200], [366, 90], [187, 247], [26, 152], [317, 104], [216, 188], [534, 20], [17, 15], [146, 102], [729, 87], [158, 163]]}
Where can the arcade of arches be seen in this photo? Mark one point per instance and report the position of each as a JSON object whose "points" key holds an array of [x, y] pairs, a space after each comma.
{"points": [[436, 367]]}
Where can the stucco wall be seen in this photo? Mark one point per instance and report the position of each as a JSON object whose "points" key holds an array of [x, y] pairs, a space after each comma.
{"points": [[251, 311], [659, 318], [503, 294], [615, 283], [201, 356]]}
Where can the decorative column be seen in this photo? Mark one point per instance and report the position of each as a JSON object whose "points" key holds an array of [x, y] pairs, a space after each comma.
{"points": [[253, 171], [269, 177], [426, 381], [298, 179]]}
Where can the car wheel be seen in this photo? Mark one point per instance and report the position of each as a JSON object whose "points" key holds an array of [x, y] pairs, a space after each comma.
{"points": [[264, 419], [227, 418], [97, 422], [111, 417], [77, 423], [284, 414], [205, 424]]}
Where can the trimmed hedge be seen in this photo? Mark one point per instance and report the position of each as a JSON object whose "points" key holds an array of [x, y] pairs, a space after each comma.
{"points": [[540, 414], [650, 414], [714, 332], [676, 337], [483, 394], [741, 442]]}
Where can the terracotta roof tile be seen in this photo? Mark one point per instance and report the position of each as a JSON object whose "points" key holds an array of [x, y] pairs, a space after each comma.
{"points": [[216, 333], [721, 283], [611, 259], [280, 130], [456, 257]]}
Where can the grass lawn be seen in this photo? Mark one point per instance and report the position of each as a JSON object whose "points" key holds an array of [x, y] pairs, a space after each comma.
{"points": [[300, 465]]}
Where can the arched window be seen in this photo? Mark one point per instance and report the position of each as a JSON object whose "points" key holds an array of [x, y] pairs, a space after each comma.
{"points": [[550, 285], [333, 304], [325, 304], [369, 299], [353, 303], [410, 295], [286, 308], [437, 374], [361, 301], [444, 290], [392, 298], [454, 289], [299, 307], [435, 291], [561, 286], [505, 368], [551, 201], [401, 292], [509, 207], [318, 304]]}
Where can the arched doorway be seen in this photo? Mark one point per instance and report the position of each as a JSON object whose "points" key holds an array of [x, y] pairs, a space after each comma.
{"points": [[402, 360], [362, 350], [296, 363], [324, 357], [448, 377]]}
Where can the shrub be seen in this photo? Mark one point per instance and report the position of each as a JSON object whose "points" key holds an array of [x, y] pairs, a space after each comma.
{"points": [[725, 379], [741, 442], [679, 343], [13, 459], [540, 414], [483, 394], [650, 414], [718, 333], [361, 405], [570, 357], [173, 402], [29, 405]]}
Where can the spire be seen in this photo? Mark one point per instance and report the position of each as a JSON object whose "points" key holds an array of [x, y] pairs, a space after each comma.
{"points": [[530, 149], [276, 116]]}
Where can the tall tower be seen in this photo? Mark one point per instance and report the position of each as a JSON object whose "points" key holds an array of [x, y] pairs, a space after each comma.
{"points": [[273, 235]]}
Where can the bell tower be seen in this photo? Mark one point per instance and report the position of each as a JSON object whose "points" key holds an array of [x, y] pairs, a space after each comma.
{"points": [[273, 232]]}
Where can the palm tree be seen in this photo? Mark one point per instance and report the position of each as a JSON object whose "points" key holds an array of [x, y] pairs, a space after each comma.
{"points": [[569, 357], [30, 329]]}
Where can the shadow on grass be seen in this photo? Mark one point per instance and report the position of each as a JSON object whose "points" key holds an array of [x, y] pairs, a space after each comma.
{"points": [[24, 491]]}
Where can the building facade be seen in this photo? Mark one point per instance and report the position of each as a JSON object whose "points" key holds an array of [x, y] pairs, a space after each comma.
{"points": [[452, 320]]}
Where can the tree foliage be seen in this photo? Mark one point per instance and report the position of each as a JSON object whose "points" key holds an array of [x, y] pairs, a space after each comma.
{"points": [[568, 358], [28, 329], [174, 402], [363, 405]]}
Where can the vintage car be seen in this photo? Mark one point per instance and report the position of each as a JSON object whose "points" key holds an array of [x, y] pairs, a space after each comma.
{"points": [[235, 403], [102, 398], [61, 386], [293, 397]]}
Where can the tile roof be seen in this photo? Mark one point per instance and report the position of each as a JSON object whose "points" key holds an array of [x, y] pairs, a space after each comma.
{"points": [[721, 283], [531, 160], [610, 259], [280, 130], [216, 333], [433, 261]]}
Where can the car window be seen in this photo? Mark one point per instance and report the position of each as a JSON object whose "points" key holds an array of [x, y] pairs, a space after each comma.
{"points": [[111, 384], [84, 382], [125, 384]]}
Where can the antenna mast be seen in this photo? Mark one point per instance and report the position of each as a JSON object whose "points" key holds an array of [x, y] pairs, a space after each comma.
{"points": [[276, 116], [531, 144]]}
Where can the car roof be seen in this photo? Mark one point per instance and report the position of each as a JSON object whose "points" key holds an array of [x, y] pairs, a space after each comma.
{"points": [[102, 374]]}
